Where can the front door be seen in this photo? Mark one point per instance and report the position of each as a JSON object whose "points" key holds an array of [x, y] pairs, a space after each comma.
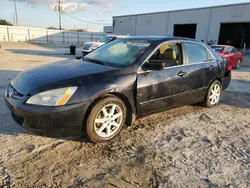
{"points": [[171, 87]]}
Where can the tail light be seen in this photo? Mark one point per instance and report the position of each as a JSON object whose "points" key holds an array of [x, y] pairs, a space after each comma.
{"points": [[230, 68]]}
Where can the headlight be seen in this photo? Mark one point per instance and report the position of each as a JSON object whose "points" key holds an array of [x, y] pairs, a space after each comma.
{"points": [[55, 97]]}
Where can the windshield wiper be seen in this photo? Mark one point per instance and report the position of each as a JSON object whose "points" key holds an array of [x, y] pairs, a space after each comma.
{"points": [[93, 61]]}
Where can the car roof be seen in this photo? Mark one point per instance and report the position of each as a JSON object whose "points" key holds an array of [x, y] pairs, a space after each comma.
{"points": [[158, 38]]}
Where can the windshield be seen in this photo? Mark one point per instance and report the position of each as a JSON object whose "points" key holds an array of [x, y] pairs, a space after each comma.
{"points": [[218, 49], [105, 39], [119, 53]]}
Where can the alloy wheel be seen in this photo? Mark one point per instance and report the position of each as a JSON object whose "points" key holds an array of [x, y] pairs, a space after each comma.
{"points": [[215, 94], [108, 120]]}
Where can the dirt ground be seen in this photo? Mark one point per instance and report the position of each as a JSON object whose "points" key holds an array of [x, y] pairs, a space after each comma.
{"points": [[190, 146]]}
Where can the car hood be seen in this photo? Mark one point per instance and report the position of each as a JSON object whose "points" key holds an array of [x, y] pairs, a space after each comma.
{"points": [[29, 80]]}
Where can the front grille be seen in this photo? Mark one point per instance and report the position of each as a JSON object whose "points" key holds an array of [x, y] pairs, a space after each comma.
{"points": [[12, 92]]}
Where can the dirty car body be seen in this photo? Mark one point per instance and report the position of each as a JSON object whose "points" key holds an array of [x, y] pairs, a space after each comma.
{"points": [[143, 87]]}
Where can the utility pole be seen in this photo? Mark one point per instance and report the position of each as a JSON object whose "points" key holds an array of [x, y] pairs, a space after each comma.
{"points": [[59, 10], [16, 13], [14, 19]]}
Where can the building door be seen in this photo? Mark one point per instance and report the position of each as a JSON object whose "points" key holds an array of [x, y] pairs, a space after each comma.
{"points": [[235, 34], [185, 30]]}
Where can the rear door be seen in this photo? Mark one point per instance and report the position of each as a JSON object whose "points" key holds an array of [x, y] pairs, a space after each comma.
{"points": [[204, 67]]}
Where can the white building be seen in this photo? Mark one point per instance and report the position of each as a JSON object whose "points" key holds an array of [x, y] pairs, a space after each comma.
{"points": [[228, 24]]}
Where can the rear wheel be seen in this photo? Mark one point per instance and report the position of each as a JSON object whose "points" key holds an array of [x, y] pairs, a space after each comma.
{"points": [[106, 119], [213, 94]]}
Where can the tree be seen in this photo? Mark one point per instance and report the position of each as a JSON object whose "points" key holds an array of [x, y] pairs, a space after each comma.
{"points": [[51, 27], [5, 22]]}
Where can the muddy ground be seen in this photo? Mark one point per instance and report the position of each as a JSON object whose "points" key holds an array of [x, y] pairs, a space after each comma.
{"points": [[190, 146]]}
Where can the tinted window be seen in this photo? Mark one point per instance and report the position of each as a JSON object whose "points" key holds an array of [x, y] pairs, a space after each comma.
{"points": [[169, 53], [119, 53], [196, 53]]}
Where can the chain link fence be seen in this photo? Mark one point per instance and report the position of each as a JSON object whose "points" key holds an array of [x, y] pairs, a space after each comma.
{"points": [[37, 35]]}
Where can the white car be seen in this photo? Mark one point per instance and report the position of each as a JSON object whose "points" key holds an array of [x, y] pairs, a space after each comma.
{"points": [[91, 46]]}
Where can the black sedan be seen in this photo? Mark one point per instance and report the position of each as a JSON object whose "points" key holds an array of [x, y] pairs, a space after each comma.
{"points": [[110, 87]]}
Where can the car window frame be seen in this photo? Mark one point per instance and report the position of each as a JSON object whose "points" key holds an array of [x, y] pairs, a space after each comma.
{"points": [[206, 49], [140, 70], [186, 54], [184, 58], [169, 44]]}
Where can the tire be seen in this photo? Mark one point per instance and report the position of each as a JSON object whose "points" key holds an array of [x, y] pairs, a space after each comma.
{"points": [[238, 64], [106, 119], [210, 102]]}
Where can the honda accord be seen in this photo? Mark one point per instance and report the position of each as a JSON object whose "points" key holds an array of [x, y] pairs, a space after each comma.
{"points": [[112, 86]]}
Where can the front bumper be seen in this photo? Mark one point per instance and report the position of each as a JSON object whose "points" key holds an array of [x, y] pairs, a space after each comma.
{"points": [[65, 121]]}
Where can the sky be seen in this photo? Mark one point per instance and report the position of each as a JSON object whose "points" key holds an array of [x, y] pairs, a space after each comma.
{"points": [[41, 13]]}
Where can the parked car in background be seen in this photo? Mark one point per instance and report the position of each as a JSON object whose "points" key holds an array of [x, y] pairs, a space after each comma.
{"points": [[111, 86], [91, 46], [232, 54]]}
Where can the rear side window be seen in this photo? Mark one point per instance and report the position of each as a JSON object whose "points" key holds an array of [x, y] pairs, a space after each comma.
{"points": [[196, 53]]}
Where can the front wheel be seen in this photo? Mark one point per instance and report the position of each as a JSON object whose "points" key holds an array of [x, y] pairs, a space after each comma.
{"points": [[213, 95], [106, 119]]}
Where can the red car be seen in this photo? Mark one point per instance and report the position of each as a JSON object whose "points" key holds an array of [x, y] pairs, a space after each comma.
{"points": [[234, 56]]}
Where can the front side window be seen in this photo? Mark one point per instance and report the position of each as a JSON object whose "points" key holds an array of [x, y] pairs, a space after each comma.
{"points": [[196, 53], [234, 51], [169, 54], [228, 50], [119, 53]]}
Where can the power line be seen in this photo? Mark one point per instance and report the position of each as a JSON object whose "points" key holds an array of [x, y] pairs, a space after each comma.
{"points": [[85, 21]]}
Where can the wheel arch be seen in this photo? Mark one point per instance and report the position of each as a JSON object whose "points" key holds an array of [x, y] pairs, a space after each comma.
{"points": [[131, 114]]}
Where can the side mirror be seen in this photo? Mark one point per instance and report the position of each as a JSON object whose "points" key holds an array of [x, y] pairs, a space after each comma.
{"points": [[226, 53], [154, 65]]}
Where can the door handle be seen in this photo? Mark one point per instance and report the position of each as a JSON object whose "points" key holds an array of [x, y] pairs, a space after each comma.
{"points": [[211, 67], [181, 73]]}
